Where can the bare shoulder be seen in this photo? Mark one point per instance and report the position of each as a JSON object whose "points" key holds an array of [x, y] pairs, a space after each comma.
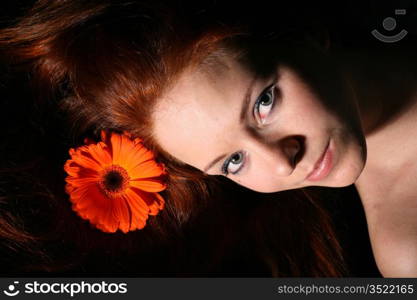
{"points": [[392, 223], [391, 213], [395, 253]]}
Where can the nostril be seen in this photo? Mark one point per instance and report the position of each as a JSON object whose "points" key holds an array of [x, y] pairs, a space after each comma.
{"points": [[300, 154], [300, 150], [296, 158]]}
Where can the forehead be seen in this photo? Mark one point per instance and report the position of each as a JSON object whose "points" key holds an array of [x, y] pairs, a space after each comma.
{"points": [[195, 120]]}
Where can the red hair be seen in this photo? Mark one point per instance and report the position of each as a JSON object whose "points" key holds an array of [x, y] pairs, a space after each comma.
{"points": [[105, 63]]}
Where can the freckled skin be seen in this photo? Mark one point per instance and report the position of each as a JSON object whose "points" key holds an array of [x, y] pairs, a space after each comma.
{"points": [[198, 120]]}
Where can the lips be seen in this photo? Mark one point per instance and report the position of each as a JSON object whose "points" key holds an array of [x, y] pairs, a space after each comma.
{"points": [[323, 166]]}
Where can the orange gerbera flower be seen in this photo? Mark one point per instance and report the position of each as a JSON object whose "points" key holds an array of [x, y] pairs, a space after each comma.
{"points": [[115, 183]]}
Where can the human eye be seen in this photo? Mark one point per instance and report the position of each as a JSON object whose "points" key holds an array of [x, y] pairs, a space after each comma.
{"points": [[234, 163], [264, 104]]}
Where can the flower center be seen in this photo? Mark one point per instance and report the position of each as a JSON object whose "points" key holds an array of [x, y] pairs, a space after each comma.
{"points": [[114, 181]]}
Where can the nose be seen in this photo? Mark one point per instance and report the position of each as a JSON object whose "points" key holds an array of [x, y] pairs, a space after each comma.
{"points": [[281, 156]]}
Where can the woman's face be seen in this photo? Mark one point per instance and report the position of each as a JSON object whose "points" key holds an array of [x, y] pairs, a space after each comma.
{"points": [[267, 134]]}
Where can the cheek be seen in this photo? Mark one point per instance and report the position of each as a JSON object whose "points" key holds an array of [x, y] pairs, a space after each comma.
{"points": [[299, 106], [302, 113], [308, 106]]}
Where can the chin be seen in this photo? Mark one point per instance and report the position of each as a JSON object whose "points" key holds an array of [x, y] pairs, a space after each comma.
{"points": [[348, 168], [347, 177], [342, 177]]}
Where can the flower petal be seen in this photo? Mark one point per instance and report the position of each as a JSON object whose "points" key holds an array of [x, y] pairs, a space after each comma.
{"points": [[122, 213], [78, 182], [138, 154], [146, 169], [139, 210], [154, 201], [91, 204], [116, 146], [100, 154], [79, 192], [148, 185], [71, 168], [84, 161]]}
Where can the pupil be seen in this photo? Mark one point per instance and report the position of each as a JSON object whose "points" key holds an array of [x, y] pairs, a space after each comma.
{"points": [[113, 180], [236, 157], [266, 99]]}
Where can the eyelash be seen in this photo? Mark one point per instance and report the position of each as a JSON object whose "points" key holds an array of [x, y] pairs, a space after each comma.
{"points": [[269, 89]]}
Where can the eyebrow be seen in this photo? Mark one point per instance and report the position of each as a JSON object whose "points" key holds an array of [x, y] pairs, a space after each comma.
{"points": [[242, 116]]}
